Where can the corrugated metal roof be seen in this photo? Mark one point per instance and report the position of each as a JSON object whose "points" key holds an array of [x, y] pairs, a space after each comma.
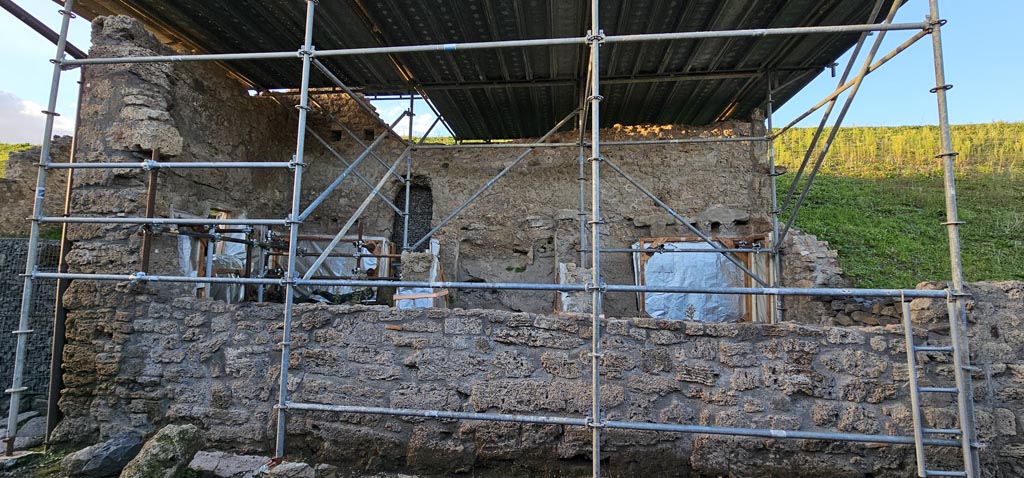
{"points": [[518, 93]]}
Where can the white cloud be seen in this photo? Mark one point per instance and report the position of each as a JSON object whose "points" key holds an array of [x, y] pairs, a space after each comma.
{"points": [[22, 121], [388, 110]]}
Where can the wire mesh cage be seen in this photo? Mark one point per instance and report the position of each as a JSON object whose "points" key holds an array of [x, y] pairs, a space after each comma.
{"points": [[13, 254]]}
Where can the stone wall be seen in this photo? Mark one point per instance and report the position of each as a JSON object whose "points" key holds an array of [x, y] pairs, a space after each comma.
{"points": [[153, 360], [516, 232], [18, 188]]}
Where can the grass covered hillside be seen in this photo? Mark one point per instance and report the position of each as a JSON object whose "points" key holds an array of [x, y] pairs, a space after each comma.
{"points": [[879, 201], [7, 149]]}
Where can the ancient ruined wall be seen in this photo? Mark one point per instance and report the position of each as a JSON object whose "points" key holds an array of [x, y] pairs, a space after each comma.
{"points": [[18, 188], [216, 365], [189, 112], [527, 222], [139, 357]]}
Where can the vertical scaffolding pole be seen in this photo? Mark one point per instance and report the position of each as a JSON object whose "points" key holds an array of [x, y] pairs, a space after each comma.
{"points": [[33, 243], [60, 313], [408, 179], [596, 420], [582, 178], [293, 234], [776, 276], [958, 319]]}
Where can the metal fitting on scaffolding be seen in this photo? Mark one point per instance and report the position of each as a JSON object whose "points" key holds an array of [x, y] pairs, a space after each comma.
{"points": [[591, 423], [591, 38], [137, 277], [289, 279]]}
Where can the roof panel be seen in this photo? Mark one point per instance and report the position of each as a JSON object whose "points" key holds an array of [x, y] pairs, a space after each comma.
{"points": [[513, 93]]}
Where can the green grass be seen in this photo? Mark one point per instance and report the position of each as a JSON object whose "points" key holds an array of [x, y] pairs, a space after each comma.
{"points": [[888, 231], [6, 150], [879, 201]]}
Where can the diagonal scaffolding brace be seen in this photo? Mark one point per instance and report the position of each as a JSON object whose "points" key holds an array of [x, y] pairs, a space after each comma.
{"points": [[493, 180]]}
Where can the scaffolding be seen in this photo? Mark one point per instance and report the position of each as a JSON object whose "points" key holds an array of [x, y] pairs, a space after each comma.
{"points": [[589, 151]]}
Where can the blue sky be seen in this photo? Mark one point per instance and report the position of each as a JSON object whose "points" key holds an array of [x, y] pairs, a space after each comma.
{"points": [[983, 61]]}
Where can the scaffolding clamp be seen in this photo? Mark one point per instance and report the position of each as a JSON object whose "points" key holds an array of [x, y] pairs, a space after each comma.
{"points": [[149, 165], [591, 423], [304, 52], [597, 98], [11, 391], [290, 221], [67, 12], [295, 163], [953, 223], [591, 287], [596, 158], [945, 87], [289, 280], [591, 38], [932, 24], [137, 277], [22, 332], [951, 154]]}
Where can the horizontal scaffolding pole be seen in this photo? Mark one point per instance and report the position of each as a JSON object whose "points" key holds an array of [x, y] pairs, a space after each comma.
{"points": [[541, 42], [658, 251], [406, 412], [583, 422], [779, 434], [148, 165], [771, 291], [849, 84], [163, 220], [603, 143]]}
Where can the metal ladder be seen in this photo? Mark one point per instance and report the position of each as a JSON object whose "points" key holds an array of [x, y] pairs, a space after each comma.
{"points": [[962, 391]]}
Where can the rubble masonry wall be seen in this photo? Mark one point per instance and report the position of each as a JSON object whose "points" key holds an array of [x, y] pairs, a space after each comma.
{"points": [[216, 365]]}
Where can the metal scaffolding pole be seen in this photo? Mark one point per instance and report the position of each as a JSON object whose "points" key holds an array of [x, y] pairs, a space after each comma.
{"points": [[543, 42], [838, 91], [23, 330], [362, 179], [835, 127], [351, 167], [596, 420], [623, 288], [957, 310], [584, 108], [408, 177], [776, 250], [293, 233], [359, 211], [672, 212], [737, 139], [828, 113], [501, 174]]}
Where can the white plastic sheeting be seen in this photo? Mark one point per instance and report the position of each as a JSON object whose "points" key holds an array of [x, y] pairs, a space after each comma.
{"points": [[335, 266], [690, 269], [425, 302], [231, 255]]}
